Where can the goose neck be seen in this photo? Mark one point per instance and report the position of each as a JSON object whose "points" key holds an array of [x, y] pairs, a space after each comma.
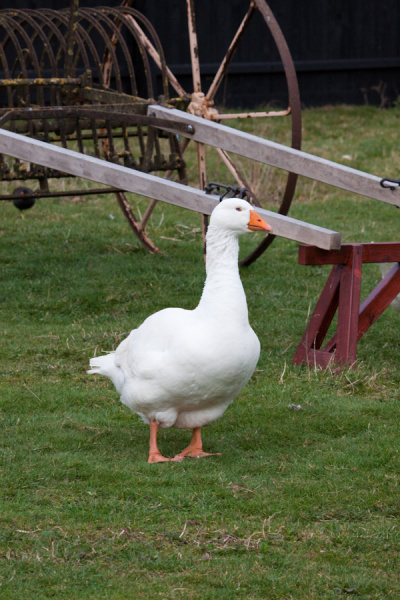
{"points": [[223, 290]]}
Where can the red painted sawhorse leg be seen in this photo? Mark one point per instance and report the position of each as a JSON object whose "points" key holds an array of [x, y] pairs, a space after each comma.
{"points": [[342, 294]]}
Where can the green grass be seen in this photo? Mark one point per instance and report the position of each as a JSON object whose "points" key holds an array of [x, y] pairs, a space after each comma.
{"points": [[300, 504]]}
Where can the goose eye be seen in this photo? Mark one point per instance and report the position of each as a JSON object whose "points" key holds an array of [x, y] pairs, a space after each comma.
{"points": [[239, 209]]}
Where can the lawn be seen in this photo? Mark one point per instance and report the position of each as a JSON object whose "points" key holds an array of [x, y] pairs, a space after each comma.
{"points": [[301, 504]]}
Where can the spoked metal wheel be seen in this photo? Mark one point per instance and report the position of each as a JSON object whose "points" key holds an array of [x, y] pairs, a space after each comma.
{"points": [[202, 102]]}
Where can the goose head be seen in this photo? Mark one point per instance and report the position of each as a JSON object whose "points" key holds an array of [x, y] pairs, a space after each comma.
{"points": [[237, 216]]}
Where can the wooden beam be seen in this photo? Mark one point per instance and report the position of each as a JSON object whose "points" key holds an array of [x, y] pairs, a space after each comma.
{"points": [[379, 299], [380, 252], [94, 169], [320, 320], [277, 155], [342, 293]]}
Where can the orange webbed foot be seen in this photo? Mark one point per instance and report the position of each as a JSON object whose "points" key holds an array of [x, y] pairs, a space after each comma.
{"points": [[156, 457], [195, 448], [177, 458], [194, 453]]}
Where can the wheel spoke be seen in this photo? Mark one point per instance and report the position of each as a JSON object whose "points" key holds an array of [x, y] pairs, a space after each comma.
{"points": [[201, 160], [147, 214], [136, 227], [156, 56], [254, 115], [237, 174], [230, 52], [194, 47]]}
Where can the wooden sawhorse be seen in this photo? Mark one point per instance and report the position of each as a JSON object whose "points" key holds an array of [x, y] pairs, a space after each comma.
{"points": [[342, 293]]}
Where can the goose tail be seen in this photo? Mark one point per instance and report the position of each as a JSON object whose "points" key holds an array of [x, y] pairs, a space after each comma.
{"points": [[105, 365]]}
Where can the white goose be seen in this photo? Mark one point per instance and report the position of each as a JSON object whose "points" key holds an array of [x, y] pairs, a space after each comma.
{"points": [[182, 368]]}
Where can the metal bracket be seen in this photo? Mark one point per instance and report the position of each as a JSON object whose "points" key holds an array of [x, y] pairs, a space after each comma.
{"points": [[234, 192], [393, 183]]}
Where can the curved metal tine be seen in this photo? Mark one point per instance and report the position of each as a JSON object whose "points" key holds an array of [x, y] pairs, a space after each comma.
{"points": [[56, 31], [41, 19], [230, 52], [108, 62], [116, 24], [139, 228], [29, 40], [146, 148], [106, 65], [120, 19], [29, 17], [135, 15], [32, 57], [20, 58], [59, 24], [83, 40], [97, 25], [70, 38], [59, 19], [6, 69], [39, 28], [155, 55]]}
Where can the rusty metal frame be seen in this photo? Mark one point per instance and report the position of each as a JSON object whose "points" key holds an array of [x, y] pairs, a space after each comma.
{"points": [[68, 71], [58, 90]]}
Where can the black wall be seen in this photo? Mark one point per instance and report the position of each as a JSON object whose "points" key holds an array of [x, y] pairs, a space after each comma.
{"points": [[345, 51]]}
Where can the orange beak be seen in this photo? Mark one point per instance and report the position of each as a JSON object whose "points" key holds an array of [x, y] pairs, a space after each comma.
{"points": [[256, 223]]}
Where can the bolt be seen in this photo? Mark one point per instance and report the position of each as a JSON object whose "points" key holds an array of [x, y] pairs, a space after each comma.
{"points": [[190, 129]]}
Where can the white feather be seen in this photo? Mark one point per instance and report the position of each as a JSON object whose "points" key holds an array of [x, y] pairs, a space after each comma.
{"points": [[182, 368]]}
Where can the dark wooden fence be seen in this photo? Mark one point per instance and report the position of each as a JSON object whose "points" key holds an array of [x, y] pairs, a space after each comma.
{"points": [[344, 51]]}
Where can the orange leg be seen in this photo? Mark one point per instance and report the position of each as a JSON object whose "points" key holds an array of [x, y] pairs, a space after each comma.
{"points": [[155, 455], [195, 448]]}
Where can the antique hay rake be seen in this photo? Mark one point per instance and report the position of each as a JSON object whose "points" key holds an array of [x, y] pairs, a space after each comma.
{"points": [[82, 78]]}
